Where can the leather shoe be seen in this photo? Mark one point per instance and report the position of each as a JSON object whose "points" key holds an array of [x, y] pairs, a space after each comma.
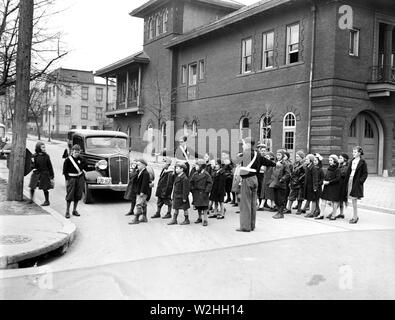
{"points": [[353, 221], [319, 217], [205, 223], [242, 230], [287, 211], [198, 220], [30, 201], [340, 216], [156, 215], [130, 213], [278, 216], [75, 213], [135, 221], [167, 216], [143, 219], [67, 215], [45, 204]]}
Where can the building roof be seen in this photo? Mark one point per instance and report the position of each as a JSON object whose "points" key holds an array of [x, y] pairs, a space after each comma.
{"points": [[71, 75], [98, 133], [139, 57], [141, 11], [239, 15]]}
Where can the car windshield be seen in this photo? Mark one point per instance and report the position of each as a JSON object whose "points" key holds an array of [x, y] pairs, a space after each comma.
{"points": [[100, 143]]}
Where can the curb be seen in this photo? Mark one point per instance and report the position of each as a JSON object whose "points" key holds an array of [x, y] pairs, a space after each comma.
{"points": [[68, 229]]}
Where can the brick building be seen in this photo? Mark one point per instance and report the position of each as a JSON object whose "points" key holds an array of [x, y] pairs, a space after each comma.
{"points": [[77, 101], [312, 75]]}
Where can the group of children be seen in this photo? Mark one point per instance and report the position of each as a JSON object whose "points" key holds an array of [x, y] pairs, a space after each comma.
{"points": [[306, 180], [210, 181]]}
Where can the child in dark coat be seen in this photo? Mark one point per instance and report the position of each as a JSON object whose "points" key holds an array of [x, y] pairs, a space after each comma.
{"points": [[267, 193], [180, 194], [296, 183], [131, 189], [164, 190], [280, 176], [200, 185], [310, 184], [343, 166], [43, 174], [331, 185], [217, 194]]}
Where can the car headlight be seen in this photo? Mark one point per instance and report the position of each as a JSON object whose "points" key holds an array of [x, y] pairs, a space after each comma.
{"points": [[102, 165]]}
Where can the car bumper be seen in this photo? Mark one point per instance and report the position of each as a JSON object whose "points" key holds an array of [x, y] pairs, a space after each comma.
{"points": [[114, 187]]}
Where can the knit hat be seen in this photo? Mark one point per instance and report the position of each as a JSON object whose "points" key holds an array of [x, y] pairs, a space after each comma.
{"points": [[143, 161], [282, 151], [181, 165], [311, 157], [167, 160], [345, 156], [335, 158], [287, 154], [300, 153]]}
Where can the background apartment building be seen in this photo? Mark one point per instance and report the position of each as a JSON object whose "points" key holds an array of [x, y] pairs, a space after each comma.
{"points": [[76, 100]]}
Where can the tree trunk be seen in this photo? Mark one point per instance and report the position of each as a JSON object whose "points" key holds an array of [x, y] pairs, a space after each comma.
{"points": [[22, 97], [38, 129]]}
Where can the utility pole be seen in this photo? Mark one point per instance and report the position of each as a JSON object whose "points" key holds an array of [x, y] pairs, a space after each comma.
{"points": [[22, 97]]}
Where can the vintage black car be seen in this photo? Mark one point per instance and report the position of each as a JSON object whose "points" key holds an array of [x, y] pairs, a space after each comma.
{"points": [[107, 157], [5, 143]]}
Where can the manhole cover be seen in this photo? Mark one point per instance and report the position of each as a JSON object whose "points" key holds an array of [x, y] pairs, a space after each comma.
{"points": [[14, 239]]}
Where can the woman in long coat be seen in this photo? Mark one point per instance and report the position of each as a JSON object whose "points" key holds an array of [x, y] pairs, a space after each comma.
{"points": [[331, 190], [310, 184], [43, 174], [267, 193], [357, 175], [200, 186], [131, 189]]}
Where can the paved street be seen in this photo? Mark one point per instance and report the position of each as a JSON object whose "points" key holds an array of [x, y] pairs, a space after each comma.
{"points": [[294, 258]]}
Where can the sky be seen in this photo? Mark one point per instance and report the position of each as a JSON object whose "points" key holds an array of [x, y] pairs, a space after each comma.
{"points": [[97, 33]]}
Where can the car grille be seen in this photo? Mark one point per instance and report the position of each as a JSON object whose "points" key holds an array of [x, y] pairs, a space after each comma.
{"points": [[119, 169]]}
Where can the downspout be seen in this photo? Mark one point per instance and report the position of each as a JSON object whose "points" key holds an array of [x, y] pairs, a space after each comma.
{"points": [[313, 9]]}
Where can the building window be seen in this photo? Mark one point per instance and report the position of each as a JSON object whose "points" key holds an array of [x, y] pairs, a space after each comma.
{"points": [[84, 93], [268, 50], [83, 127], [369, 134], [266, 131], [67, 110], [352, 132], [185, 127], [183, 74], [73, 126], [68, 91], [354, 43], [84, 113], [94, 127], [202, 69], [192, 77], [246, 55], [163, 135], [151, 30], [99, 113], [158, 24], [289, 128], [194, 128], [164, 21], [54, 90], [244, 128], [293, 43], [99, 94]]}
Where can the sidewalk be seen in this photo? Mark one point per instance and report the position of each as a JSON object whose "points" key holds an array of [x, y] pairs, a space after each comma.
{"points": [[28, 230]]}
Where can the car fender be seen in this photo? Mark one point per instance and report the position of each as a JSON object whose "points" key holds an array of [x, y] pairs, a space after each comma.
{"points": [[91, 176]]}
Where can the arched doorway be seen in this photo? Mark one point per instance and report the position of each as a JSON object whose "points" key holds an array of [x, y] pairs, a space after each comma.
{"points": [[365, 132]]}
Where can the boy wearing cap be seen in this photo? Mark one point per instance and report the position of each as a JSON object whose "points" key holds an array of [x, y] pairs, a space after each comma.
{"points": [[182, 154], [180, 194], [296, 183], [164, 190], [143, 191], [73, 170], [200, 185]]}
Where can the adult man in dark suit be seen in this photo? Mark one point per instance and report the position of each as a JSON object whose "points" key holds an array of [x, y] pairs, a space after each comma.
{"points": [[143, 189]]}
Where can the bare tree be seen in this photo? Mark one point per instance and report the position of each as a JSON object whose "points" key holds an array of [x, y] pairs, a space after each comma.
{"points": [[37, 105], [23, 60]]}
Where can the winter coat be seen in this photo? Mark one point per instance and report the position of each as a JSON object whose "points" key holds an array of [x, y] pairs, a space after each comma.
{"points": [[165, 184], [228, 169], [360, 176], [331, 191], [142, 183], [218, 190], [343, 182], [280, 176], [42, 172], [297, 176], [311, 185], [200, 186], [181, 193], [131, 189], [266, 192]]}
